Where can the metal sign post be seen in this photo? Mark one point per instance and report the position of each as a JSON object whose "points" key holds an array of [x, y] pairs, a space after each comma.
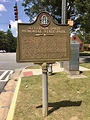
{"points": [[45, 89]]}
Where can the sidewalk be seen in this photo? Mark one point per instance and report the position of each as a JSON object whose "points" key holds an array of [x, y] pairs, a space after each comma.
{"points": [[9, 90], [6, 98], [7, 94], [28, 72]]}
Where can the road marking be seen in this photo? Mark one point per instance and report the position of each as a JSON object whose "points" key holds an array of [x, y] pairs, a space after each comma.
{"points": [[3, 74], [6, 73]]}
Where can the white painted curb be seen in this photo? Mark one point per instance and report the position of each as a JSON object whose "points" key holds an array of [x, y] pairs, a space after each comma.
{"points": [[13, 103]]}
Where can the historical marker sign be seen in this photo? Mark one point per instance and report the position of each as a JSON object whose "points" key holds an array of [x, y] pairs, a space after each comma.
{"points": [[43, 41]]}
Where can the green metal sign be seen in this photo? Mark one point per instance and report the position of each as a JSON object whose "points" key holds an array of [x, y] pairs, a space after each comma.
{"points": [[43, 41]]}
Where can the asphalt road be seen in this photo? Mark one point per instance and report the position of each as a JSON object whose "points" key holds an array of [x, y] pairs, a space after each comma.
{"points": [[8, 62]]}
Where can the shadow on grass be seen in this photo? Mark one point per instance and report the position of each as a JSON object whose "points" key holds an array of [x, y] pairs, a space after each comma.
{"points": [[56, 105], [51, 74], [81, 72]]}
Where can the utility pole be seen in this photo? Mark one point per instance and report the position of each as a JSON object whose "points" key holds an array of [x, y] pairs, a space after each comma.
{"points": [[63, 19]]}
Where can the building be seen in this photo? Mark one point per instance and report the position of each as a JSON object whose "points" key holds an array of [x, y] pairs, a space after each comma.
{"points": [[78, 40]]}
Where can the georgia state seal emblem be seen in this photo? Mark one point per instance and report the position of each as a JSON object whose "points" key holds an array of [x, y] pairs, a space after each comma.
{"points": [[44, 20]]}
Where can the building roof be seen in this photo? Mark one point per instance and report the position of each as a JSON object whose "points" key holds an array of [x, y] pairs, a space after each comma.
{"points": [[76, 38]]}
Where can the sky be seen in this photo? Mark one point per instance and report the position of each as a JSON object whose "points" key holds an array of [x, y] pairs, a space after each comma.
{"points": [[7, 15]]}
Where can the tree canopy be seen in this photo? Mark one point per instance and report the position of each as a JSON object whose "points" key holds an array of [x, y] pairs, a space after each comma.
{"points": [[83, 8], [7, 41], [78, 10], [54, 7]]}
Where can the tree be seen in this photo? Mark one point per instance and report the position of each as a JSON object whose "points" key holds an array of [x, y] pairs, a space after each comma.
{"points": [[7, 41], [77, 10], [83, 8], [33, 7], [11, 42], [2, 40]]}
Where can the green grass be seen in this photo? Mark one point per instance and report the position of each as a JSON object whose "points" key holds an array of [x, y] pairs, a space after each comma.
{"points": [[34, 67], [85, 53], [68, 98], [86, 65]]}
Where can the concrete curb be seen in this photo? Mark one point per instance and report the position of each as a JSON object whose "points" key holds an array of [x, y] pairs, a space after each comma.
{"points": [[13, 103]]}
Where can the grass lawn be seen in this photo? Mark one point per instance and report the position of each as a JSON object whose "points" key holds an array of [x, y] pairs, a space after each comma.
{"points": [[85, 53], [69, 99], [34, 67], [86, 65]]}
